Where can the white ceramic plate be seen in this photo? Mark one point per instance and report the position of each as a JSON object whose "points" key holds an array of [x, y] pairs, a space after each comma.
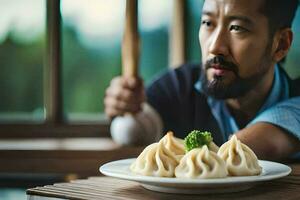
{"points": [[120, 169]]}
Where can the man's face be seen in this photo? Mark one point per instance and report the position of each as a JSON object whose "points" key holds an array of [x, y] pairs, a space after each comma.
{"points": [[235, 45]]}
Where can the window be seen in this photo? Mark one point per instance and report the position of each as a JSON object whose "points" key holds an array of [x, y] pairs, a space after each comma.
{"points": [[56, 70], [292, 61], [92, 37], [22, 44]]}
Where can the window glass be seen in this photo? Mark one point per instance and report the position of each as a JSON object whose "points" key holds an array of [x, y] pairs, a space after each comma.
{"points": [[92, 36], [154, 24], [22, 43], [193, 52], [292, 61]]}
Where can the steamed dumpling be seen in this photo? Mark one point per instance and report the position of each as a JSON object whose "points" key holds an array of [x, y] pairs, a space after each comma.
{"points": [[174, 144], [201, 163], [155, 160], [240, 159], [213, 147]]}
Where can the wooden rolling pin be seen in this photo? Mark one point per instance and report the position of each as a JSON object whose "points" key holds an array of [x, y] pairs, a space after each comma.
{"points": [[131, 41]]}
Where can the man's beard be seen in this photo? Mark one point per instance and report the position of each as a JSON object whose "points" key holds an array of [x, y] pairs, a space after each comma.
{"points": [[216, 87]]}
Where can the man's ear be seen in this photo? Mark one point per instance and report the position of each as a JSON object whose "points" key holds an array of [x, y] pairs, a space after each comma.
{"points": [[282, 43]]}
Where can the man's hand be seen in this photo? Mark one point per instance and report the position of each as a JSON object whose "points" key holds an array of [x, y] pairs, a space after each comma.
{"points": [[124, 95]]}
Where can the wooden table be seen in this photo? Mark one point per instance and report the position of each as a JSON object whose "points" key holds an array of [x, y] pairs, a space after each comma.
{"points": [[112, 188]]}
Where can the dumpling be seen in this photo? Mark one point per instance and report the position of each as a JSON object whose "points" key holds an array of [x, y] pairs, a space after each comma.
{"points": [[239, 158], [155, 160], [201, 163], [213, 147], [174, 144]]}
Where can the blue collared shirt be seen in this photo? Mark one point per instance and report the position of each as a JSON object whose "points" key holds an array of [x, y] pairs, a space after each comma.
{"points": [[278, 109]]}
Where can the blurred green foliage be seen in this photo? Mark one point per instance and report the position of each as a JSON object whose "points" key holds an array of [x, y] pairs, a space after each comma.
{"points": [[21, 76]]}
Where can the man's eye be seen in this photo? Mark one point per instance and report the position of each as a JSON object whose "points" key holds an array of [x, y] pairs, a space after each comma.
{"points": [[237, 28], [206, 23]]}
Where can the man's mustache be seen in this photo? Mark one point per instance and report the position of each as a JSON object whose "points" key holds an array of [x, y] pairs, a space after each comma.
{"points": [[220, 60]]}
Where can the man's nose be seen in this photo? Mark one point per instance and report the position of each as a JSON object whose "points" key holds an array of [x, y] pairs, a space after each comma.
{"points": [[219, 43]]}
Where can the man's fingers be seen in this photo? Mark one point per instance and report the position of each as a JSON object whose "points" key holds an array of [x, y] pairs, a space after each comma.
{"points": [[122, 106], [124, 94], [133, 83], [117, 81], [111, 112]]}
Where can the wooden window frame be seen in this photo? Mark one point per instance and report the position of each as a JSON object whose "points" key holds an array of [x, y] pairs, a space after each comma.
{"points": [[54, 124], [177, 55]]}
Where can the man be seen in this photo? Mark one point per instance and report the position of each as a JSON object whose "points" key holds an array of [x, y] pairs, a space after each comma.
{"points": [[239, 89]]}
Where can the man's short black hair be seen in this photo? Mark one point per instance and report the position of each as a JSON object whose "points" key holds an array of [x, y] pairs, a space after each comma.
{"points": [[280, 13]]}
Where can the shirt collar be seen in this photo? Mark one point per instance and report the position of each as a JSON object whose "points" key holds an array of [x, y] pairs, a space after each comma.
{"points": [[279, 91]]}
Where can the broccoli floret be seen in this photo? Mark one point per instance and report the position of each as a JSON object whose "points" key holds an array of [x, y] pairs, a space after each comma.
{"points": [[197, 139]]}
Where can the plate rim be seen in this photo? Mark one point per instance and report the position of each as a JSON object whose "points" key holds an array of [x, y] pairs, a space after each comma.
{"points": [[183, 181]]}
